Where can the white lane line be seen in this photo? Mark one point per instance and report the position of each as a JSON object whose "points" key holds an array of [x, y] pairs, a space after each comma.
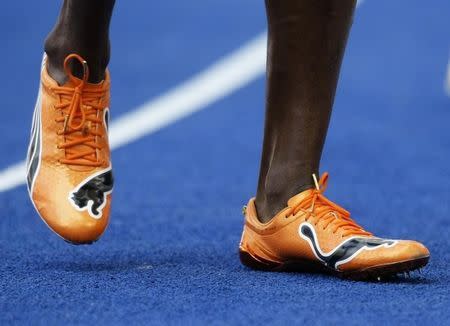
{"points": [[227, 75], [216, 82], [12, 176]]}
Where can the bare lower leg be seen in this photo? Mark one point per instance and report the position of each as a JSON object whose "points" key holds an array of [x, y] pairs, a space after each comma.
{"points": [[82, 28], [306, 42]]}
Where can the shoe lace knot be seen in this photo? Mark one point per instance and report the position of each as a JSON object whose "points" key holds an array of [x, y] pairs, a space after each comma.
{"points": [[322, 210], [80, 106]]}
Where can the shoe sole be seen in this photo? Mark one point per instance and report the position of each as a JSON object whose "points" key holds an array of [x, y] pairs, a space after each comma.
{"points": [[87, 243], [380, 272]]}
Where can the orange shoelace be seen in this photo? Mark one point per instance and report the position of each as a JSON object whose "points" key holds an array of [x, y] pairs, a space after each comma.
{"points": [[80, 107], [321, 209]]}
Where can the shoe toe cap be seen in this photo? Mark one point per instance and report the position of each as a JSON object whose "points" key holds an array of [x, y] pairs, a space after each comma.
{"points": [[74, 226], [81, 231], [412, 250], [401, 251]]}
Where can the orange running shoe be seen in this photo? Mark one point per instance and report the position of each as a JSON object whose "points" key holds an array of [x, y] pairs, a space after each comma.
{"points": [[314, 234], [69, 172]]}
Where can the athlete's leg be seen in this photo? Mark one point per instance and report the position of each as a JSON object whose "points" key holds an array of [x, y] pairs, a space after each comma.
{"points": [[307, 230], [306, 42], [82, 28]]}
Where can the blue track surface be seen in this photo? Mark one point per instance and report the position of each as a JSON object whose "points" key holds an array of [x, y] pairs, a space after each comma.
{"points": [[169, 255]]}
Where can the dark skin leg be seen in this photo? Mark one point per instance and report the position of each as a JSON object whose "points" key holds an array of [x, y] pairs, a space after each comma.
{"points": [[82, 28], [306, 43]]}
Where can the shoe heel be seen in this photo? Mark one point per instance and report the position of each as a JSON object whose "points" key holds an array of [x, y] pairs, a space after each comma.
{"points": [[258, 263]]}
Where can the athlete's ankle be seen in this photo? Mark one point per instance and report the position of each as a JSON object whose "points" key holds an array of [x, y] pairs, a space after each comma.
{"points": [[59, 47], [267, 208], [269, 202], [278, 184]]}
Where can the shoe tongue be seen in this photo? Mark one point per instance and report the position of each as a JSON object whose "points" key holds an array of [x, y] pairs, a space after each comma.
{"points": [[297, 199]]}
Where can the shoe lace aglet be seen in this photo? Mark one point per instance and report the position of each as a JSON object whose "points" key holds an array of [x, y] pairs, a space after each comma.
{"points": [[316, 182]]}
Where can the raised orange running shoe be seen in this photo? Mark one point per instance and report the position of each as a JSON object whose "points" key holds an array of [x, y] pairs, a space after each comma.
{"points": [[69, 172], [314, 234]]}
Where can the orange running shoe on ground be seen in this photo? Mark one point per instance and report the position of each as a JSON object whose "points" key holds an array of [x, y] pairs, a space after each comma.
{"points": [[69, 173], [314, 234]]}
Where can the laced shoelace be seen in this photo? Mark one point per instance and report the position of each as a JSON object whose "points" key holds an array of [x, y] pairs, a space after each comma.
{"points": [[321, 209], [80, 107]]}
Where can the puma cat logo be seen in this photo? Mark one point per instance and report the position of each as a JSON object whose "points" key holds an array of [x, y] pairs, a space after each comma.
{"points": [[91, 195]]}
